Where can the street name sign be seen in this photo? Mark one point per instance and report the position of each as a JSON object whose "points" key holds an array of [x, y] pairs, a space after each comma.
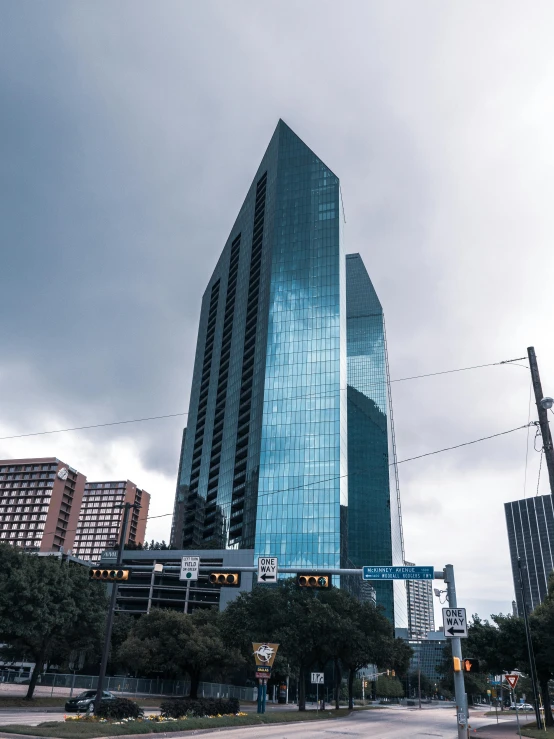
{"points": [[267, 569], [398, 573], [189, 568], [512, 680], [317, 678], [454, 623]]}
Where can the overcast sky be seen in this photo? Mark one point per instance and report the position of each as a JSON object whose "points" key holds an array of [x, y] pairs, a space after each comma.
{"points": [[129, 134]]}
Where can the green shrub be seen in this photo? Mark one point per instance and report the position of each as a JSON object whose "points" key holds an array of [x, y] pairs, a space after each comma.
{"points": [[118, 709], [177, 707]]}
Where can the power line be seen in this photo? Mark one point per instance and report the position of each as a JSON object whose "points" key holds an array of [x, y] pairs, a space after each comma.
{"points": [[467, 443], [339, 477], [294, 397], [462, 369], [94, 426]]}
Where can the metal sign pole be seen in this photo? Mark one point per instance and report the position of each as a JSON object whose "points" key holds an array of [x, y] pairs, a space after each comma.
{"points": [[459, 688], [517, 712]]}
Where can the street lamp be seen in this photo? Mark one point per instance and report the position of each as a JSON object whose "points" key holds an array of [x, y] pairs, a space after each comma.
{"points": [[547, 403]]}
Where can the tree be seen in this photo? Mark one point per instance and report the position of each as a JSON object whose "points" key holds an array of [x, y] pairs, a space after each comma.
{"points": [[542, 629], [502, 646], [296, 618], [389, 687], [362, 635], [45, 603], [312, 627], [175, 644]]}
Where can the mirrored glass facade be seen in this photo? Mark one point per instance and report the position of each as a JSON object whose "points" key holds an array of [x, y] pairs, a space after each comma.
{"points": [[265, 460], [374, 520]]}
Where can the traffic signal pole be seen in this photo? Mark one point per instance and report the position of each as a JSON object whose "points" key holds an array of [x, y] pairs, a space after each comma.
{"points": [[111, 610], [459, 688]]}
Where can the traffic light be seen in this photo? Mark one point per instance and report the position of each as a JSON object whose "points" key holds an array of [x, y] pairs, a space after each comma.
{"points": [[470, 665], [109, 575], [457, 664], [313, 580], [227, 579]]}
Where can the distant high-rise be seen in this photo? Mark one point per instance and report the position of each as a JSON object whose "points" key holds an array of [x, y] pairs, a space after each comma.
{"points": [[265, 460], [530, 525], [101, 517], [421, 616]]}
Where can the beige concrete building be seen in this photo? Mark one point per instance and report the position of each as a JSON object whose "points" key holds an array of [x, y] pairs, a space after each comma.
{"points": [[101, 517], [47, 506]]}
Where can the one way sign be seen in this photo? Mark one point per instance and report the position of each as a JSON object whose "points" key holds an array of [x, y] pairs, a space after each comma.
{"points": [[267, 569], [455, 622]]}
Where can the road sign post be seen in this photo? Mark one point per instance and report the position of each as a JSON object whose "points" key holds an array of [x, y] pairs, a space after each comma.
{"points": [[459, 689], [189, 568], [264, 655], [267, 569], [317, 680]]}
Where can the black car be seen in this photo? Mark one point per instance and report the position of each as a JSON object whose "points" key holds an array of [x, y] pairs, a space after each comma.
{"points": [[83, 701]]}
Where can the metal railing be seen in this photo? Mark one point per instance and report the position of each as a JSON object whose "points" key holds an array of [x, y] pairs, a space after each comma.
{"points": [[52, 683]]}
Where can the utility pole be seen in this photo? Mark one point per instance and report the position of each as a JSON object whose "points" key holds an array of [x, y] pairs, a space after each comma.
{"points": [[462, 717], [543, 416], [530, 651], [111, 610]]}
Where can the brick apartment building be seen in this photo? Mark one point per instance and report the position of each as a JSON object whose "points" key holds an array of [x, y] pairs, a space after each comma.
{"points": [[40, 502]]}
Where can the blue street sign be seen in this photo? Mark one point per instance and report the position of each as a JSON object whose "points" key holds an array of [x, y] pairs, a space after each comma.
{"points": [[399, 573]]}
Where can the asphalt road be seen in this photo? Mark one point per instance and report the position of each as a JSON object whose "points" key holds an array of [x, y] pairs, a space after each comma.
{"points": [[387, 723]]}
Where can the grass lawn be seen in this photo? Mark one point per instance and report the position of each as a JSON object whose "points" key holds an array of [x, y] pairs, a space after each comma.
{"points": [[85, 730], [534, 732]]}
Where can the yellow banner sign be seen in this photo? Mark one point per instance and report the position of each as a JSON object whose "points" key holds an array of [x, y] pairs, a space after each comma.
{"points": [[264, 653]]}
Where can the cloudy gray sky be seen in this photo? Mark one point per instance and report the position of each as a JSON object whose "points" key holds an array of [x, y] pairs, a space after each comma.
{"points": [[129, 134]]}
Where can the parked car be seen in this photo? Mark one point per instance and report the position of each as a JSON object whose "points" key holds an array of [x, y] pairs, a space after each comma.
{"points": [[22, 679], [83, 701], [521, 707]]}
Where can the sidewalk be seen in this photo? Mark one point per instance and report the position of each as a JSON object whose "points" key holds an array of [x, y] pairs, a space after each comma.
{"points": [[504, 730]]}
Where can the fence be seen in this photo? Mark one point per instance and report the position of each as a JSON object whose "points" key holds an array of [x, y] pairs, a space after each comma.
{"points": [[68, 684]]}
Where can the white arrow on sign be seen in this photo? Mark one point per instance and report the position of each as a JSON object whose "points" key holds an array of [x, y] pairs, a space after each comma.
{"points": [[267, 569], [454, 623]]}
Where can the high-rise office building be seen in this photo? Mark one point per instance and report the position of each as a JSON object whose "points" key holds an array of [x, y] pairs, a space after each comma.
{"points": [[374, 518], [265, 460], [40, 500], [530, 525], [101, 517], [421, 616]]}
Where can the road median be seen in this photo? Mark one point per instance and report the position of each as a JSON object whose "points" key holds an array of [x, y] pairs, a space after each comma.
{"points": [[145, 729]]}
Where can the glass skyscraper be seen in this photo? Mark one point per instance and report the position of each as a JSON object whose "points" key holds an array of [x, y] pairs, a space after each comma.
{"points": [[265, 460], [374, 520]]}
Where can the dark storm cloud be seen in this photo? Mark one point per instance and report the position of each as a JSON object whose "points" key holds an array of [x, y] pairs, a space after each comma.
{"points": [[129, 134]]}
